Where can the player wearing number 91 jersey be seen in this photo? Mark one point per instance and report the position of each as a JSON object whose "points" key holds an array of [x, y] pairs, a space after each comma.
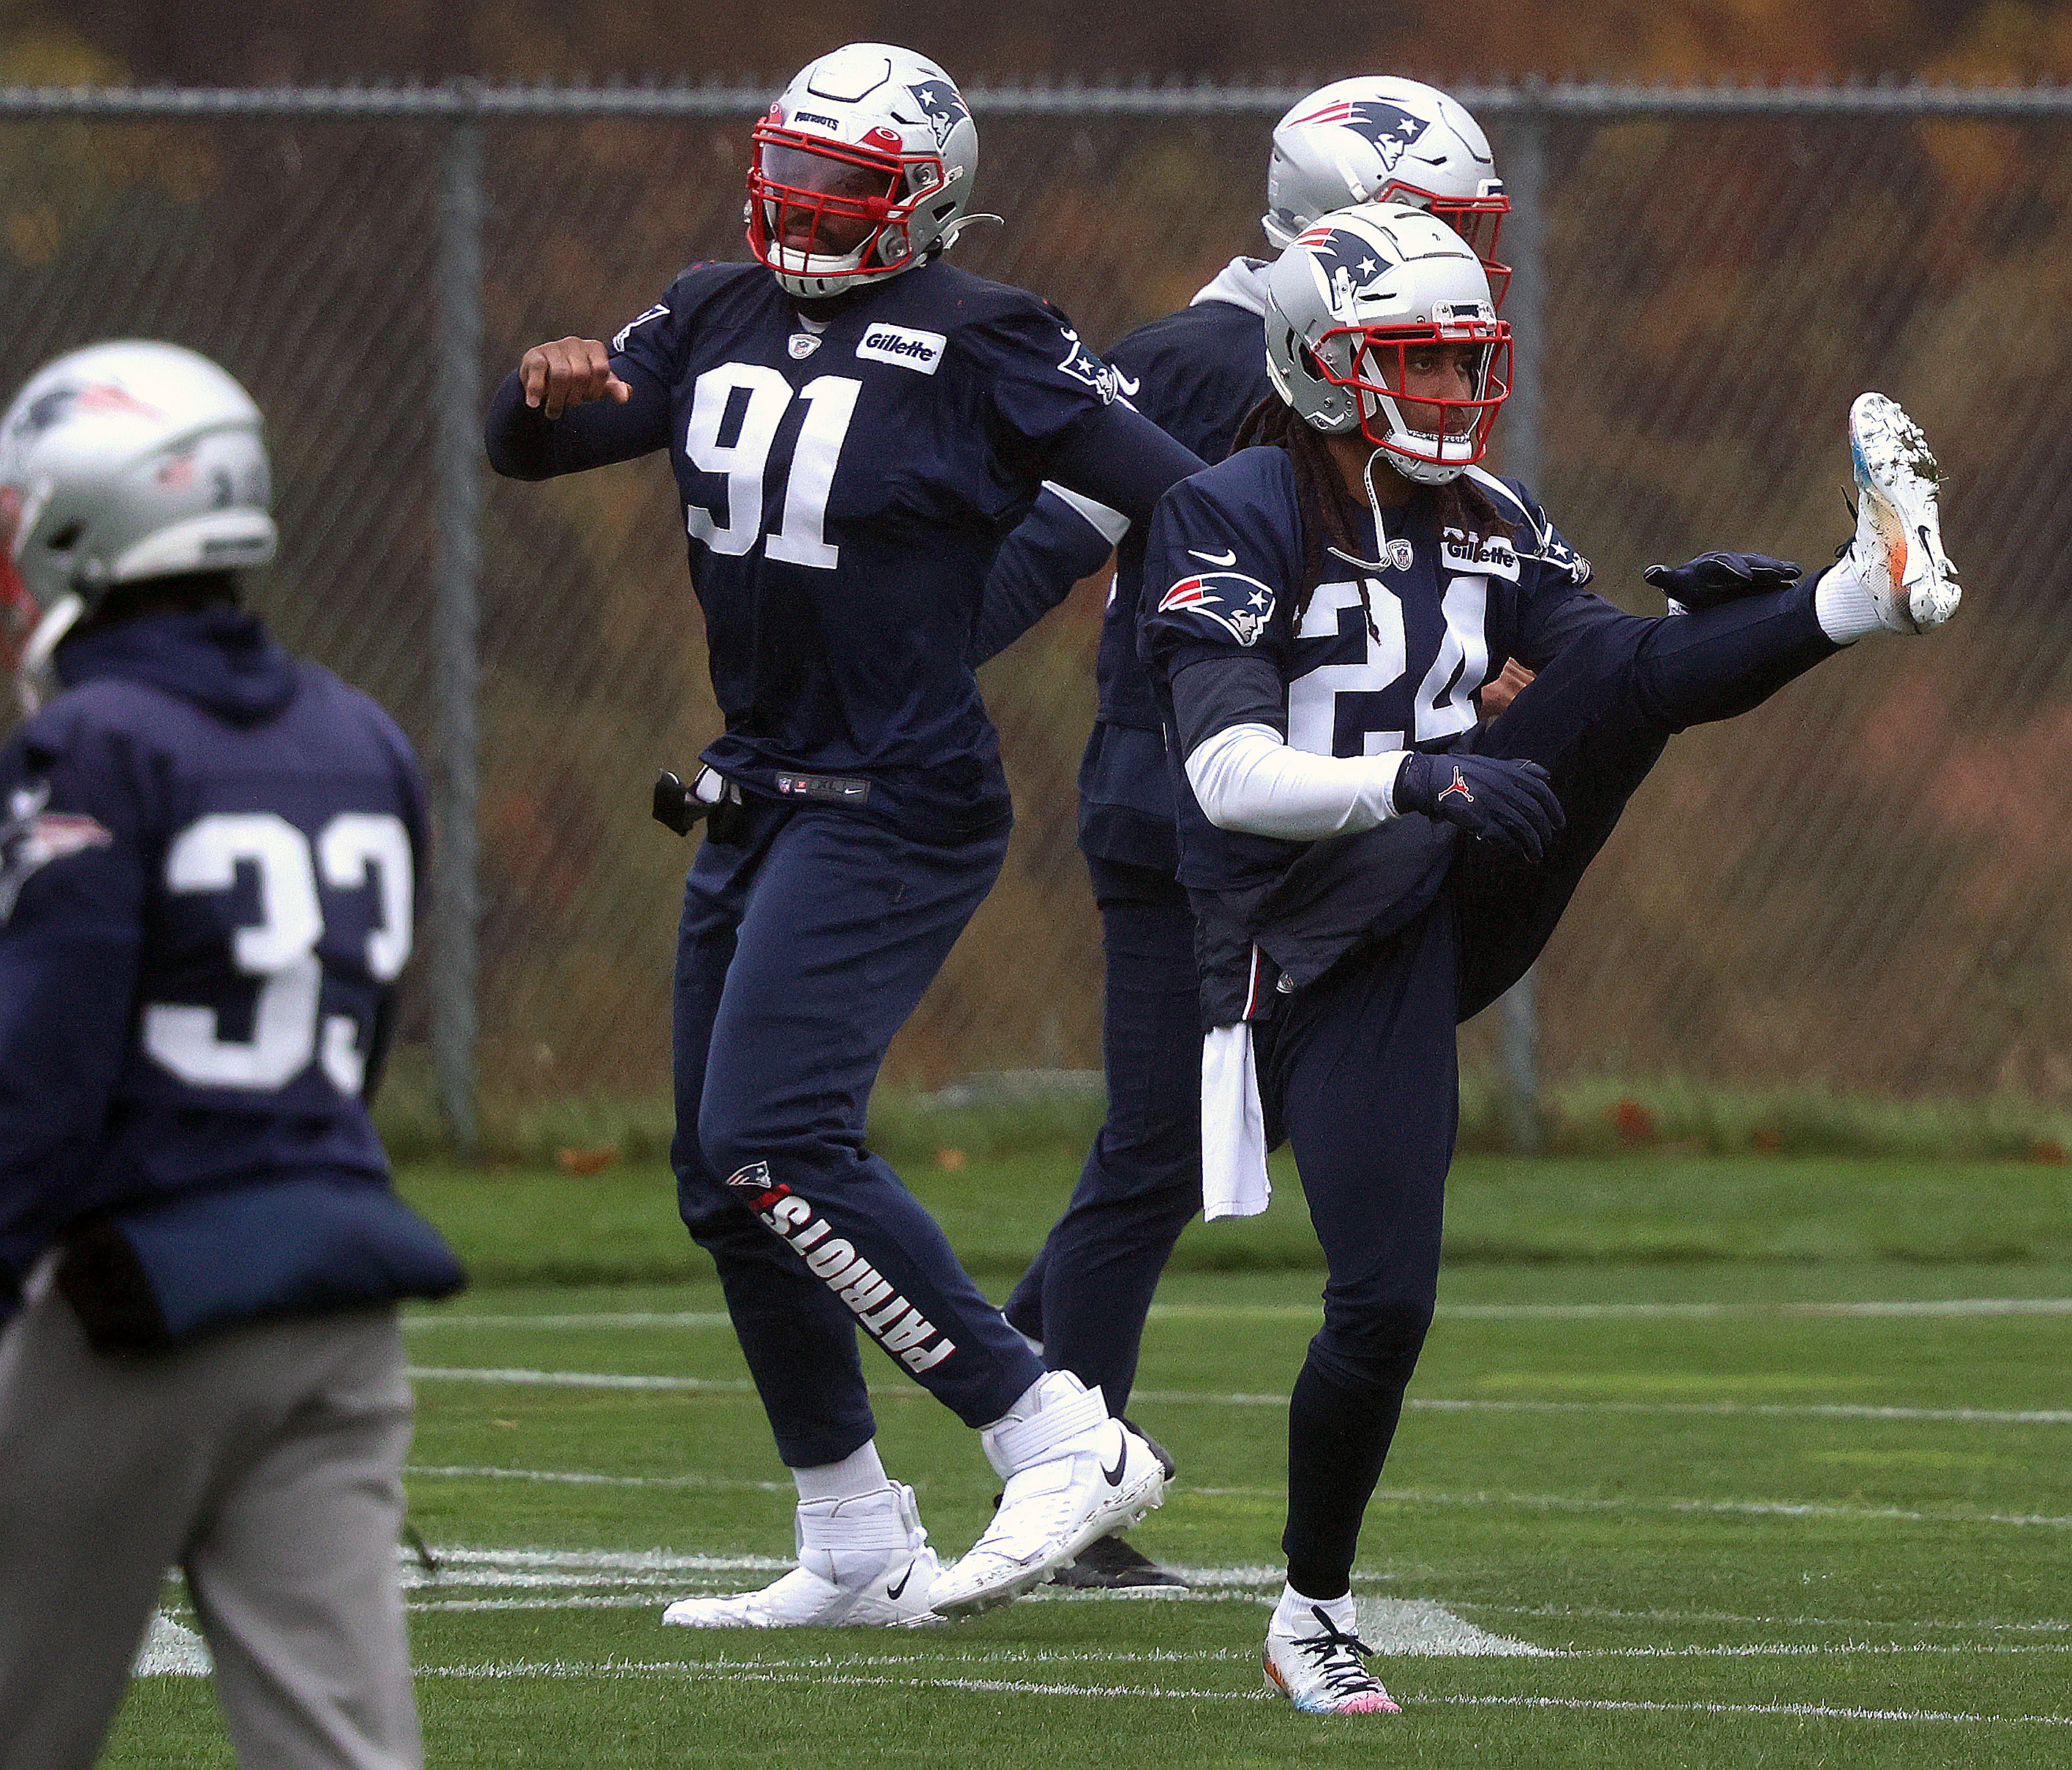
{"points": [[209, 853], [854, 427]]}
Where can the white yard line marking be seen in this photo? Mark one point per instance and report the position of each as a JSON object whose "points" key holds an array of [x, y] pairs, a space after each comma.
{"points": [[1306, 1312], [1807, 1711], [766, 1672], [1397, 1627], [1802, 1410], [1591, 1613], [1839, 1410], [581, 1379], [1777, 1508], [171, 1651], [1970, 1306], [584, 1478]]}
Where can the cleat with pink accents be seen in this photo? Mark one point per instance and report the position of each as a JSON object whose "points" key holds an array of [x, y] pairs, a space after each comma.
{"points": [[1896, 551], [1325, 1673]]}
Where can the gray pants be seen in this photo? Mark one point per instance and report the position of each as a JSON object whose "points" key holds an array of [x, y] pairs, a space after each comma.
{"points": [[266, 1464]]}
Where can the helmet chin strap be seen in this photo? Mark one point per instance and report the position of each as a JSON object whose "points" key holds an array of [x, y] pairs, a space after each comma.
{"points": [[35, 681], [1380, 527]]}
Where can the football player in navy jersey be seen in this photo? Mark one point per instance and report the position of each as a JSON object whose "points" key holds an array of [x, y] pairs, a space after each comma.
{"points": [[1368, 864], [1198, 372], [208, 857], [854, 427]]}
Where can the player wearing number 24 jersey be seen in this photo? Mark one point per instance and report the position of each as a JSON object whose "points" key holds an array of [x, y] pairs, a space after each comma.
{"points": [[1369, 866]]}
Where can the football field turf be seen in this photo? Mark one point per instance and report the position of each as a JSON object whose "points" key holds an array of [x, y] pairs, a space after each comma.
{"points": [[1726, 1514]]}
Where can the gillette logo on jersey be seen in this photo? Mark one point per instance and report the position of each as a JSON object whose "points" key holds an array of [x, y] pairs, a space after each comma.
{"points": [[904, 345], [885, 1314], [1492, 555], [1239, 605]]}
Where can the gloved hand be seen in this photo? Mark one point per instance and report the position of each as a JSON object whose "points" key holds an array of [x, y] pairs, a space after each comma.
{"points": [[1510, 804], [1717, 577]]}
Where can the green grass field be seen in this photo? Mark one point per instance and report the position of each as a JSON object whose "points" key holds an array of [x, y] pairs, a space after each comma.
{"points": [[1708, 1463]]}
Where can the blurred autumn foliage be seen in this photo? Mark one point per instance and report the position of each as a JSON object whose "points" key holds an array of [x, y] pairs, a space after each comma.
{"points": [[1863, 884], [252, 42]]}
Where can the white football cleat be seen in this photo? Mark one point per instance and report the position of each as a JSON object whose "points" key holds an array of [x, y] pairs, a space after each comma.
{"points": [[1073, 1473], [1898, 549], [864, 1562], [1323, 1670]]}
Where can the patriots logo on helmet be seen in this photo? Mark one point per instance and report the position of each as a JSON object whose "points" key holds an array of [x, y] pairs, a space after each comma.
{"points": [[32, 839], [942, 105], [1239, 605], [1351, 266], [1388, 128], [60, 402]]}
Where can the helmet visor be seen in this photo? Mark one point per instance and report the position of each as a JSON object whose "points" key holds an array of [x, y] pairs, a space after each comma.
{"points": [[828, 208]]}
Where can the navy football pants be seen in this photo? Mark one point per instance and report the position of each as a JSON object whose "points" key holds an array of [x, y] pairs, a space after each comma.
{"points": [[1087, 1294], [1358, 1070], [802, 949]]}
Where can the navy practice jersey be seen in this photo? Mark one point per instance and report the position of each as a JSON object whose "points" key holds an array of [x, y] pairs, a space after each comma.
{"points": [[207, 881], [1196, 374], [1223, 574], [845, 489]]}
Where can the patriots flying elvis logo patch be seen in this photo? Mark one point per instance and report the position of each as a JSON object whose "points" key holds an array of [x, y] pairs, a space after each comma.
{"points": [[1239, 605], [32, 839]]}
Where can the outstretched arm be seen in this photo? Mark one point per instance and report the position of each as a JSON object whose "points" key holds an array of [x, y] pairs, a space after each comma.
{"points": [[571, 404]]}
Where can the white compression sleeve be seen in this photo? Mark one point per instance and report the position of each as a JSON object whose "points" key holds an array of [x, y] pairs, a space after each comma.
{"points": [[1245, 778]]}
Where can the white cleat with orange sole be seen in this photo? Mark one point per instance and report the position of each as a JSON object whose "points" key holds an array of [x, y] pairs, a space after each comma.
{"points": [[1898, 549], [1321, 1669]]}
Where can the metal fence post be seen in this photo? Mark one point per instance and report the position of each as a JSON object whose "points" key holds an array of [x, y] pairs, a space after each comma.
{"points": [[457, 430], [1524, 169]]}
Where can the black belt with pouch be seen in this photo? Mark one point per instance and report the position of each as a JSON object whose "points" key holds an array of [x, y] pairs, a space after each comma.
{"points": [[148, 1278]]}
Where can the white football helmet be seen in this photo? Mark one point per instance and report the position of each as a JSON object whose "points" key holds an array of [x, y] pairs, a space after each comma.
{"points": [[1386, 140], [862, 169], [1349, 301], [119, 462]]}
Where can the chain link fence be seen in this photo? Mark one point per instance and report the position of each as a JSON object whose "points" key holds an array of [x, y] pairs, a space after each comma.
{"points": [[1862, 884]]}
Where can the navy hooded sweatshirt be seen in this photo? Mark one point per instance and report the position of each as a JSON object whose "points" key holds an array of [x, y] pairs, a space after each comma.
{"points": [[209, 852]]}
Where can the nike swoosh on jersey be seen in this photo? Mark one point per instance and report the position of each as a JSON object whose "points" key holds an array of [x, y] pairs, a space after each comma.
{"points": [[1228, 558]]}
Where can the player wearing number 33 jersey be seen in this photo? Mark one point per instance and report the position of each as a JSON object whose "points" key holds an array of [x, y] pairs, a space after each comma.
{"points": [[208, 857]]}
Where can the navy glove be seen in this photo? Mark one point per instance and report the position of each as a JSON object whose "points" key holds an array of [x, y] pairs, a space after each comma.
{"points": [[1715, 578], [1509, 804]]}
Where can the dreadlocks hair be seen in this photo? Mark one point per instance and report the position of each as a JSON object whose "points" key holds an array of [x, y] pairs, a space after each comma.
{"points": [[1330, 510]]}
